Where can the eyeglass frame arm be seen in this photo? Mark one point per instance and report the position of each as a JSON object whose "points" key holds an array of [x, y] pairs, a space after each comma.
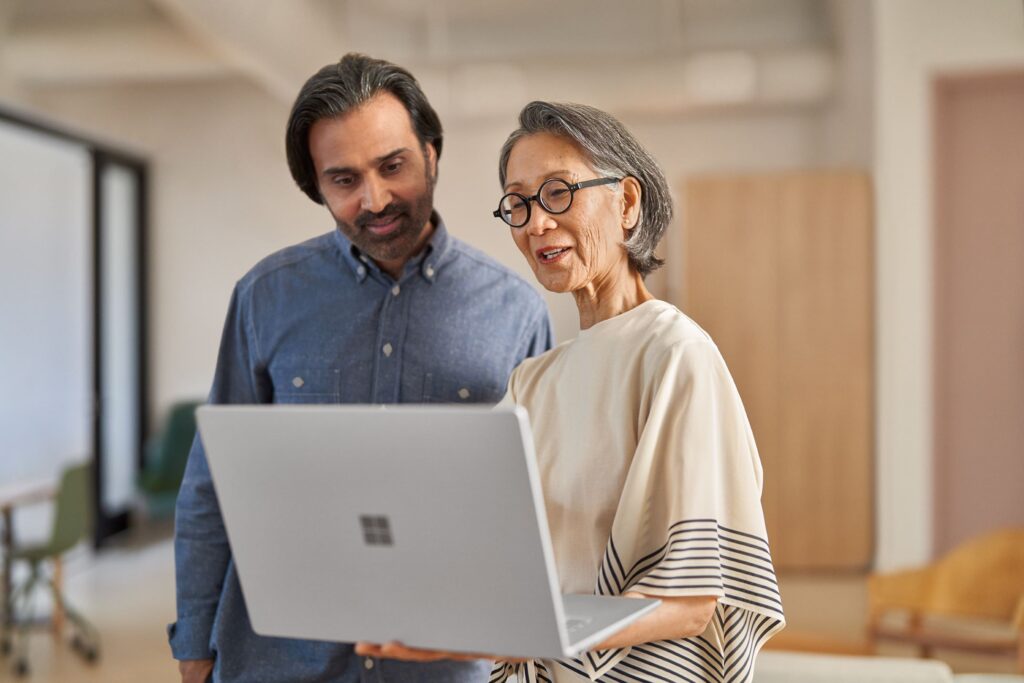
{"points": [[573, 187]]}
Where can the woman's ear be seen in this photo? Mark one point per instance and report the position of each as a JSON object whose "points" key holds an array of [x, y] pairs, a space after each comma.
{"points": [[631, 195]]}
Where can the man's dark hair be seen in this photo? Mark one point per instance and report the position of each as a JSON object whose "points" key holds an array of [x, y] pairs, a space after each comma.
{"points": [[338, 88]]}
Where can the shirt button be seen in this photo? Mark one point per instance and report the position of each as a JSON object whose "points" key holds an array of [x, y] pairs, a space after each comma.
{"points": [[298, 382], [387, 350], [395, 290], [361, 271], [429, 271], [463, 393], [368, 663]]}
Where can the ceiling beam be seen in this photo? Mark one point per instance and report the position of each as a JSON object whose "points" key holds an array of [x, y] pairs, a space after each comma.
{"points": [[739, 80], [277, 44], [109, 52]]}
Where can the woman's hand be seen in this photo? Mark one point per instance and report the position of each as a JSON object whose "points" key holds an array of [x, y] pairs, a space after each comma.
{"points": [[675, 618], [395, 650]]}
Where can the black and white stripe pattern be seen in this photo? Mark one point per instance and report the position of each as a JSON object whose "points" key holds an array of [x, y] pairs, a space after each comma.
{"points": [[699, 557], [534, 672]]}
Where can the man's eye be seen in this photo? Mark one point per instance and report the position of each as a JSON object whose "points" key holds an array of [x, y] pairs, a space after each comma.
{"points": [[393, 167], [343, 180]]}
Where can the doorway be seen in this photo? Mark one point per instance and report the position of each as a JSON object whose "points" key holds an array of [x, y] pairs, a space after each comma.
{"points": [[978, 306]]}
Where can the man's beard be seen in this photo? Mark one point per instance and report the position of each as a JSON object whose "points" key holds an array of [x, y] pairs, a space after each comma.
{"points": [[398, 245]]}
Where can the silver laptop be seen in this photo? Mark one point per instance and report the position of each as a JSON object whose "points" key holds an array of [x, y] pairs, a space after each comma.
{"points": [[418, 524]]}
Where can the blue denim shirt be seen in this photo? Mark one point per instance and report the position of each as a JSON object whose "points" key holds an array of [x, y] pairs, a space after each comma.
{"points": [[319, 323]]}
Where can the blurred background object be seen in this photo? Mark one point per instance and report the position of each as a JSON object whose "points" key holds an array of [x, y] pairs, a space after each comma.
{"points": [[981, 580], [72, 523], [165, 457], [850, 229]]}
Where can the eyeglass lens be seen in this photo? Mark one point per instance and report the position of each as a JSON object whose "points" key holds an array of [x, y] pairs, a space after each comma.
{"points": [[554, 196]]}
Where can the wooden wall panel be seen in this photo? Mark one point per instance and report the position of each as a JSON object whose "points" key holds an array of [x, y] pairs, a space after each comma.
{"points": [[778, 270], [725, 268]]}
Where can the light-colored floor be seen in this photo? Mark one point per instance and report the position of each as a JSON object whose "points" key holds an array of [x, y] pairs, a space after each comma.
{"points": [[128, 592]]}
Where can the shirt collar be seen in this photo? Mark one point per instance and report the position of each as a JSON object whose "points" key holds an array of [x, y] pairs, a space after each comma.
{"points": [[426, 262], [436, 250]]}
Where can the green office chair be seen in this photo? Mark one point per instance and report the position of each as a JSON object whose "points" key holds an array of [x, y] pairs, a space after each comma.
{"points": [[166, 457], [72, 523]]}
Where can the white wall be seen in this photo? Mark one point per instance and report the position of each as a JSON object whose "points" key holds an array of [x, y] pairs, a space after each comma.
{"points": [[916, 41], [45, 269], [222, 199], [846, 130], [46, 333]]}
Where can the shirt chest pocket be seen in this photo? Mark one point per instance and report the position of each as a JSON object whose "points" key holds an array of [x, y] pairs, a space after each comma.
{"points": [[306, 385], [445, 389]]}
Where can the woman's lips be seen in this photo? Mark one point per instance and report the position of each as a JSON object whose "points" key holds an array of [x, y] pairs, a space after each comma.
{"points": [[549, 255]]}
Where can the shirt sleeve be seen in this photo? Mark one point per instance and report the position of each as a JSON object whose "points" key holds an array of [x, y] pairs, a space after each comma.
{"points": [[201, 550], [539, 336], [690, 523]]}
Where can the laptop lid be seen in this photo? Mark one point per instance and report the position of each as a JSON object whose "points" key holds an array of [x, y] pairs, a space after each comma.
{"points": [[421, 524]]}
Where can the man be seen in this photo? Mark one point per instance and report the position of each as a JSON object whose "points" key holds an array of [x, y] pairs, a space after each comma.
{"points": [[387, 308]]}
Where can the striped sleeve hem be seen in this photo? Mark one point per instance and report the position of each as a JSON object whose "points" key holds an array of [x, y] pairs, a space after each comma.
{"points": [[699, 557], [525, 672]]}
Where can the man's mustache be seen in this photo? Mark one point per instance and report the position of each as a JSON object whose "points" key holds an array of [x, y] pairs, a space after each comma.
{"points": [[390, 211]]}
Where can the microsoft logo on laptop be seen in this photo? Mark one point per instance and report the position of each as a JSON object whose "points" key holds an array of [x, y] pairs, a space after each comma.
{"points": [[376, 530]]}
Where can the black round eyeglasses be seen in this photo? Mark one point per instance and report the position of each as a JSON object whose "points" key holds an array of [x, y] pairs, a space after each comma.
{"points": [[554, 195]]}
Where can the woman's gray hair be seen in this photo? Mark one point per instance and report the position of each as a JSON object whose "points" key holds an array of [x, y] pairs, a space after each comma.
{"points": [[611, 150]]}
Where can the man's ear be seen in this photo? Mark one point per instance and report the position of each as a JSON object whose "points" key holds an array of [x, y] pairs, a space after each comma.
{"points": [[431, 158]]}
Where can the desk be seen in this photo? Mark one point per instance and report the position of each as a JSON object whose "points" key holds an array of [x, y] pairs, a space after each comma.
{"points": [[11, 497]]}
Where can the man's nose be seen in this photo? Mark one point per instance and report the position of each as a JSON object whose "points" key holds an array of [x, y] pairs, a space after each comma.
{"points": [[376, 195]]}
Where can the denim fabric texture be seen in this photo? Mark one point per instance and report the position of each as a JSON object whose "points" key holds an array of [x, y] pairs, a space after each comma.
{"points": [[319, 323]]}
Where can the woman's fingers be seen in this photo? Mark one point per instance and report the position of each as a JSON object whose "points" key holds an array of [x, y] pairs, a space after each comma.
{"points": [[410, 654], [395, 650]]}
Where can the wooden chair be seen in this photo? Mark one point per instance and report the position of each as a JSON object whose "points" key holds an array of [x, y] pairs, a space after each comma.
{"points": [[981, 579]]}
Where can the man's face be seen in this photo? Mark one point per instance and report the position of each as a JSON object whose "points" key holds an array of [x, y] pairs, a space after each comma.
{"points": [[376, 180]]}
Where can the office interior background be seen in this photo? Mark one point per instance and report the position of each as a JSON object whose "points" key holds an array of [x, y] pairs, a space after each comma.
{"points": [[849, 226]]}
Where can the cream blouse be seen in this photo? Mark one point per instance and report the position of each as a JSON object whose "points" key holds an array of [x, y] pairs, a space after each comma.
{"points": [[652, 483]]}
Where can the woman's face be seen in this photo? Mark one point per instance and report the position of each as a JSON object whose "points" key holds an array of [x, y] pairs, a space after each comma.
{"points": [[582, 246]]}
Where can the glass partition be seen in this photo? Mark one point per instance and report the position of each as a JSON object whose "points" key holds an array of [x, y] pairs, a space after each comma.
{"points": [[72, 315]]}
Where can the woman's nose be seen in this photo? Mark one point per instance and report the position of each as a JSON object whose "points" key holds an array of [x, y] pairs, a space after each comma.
{"points": [[540, 221]]}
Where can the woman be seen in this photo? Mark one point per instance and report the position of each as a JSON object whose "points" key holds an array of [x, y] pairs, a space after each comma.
{"points": [[651, 478]]}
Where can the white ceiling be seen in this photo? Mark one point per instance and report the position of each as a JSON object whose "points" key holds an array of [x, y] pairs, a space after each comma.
{"points": [[733, 50]]}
